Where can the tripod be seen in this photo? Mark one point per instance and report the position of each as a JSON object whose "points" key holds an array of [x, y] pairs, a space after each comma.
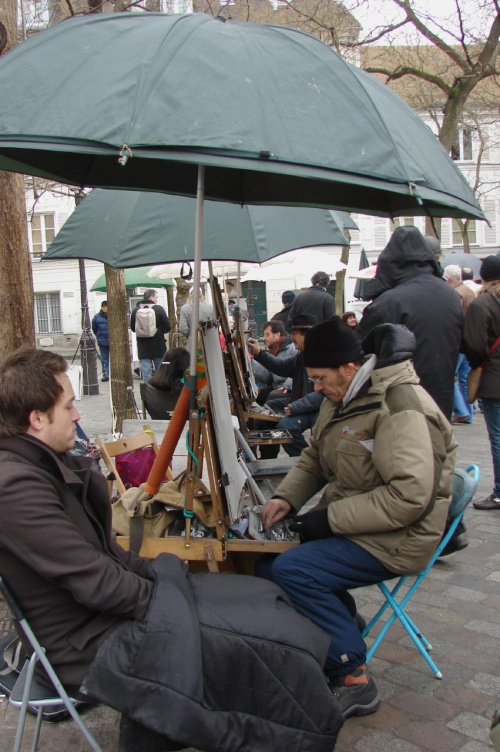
{"points": [[86, 345]]}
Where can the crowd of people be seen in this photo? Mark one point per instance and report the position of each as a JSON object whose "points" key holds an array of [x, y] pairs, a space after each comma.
{"points": [[381, 396]]}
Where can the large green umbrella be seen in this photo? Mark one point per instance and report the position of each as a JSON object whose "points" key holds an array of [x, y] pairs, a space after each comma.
{"points": [[133, 278], [239, 112], [127, 228], [275, 116]]}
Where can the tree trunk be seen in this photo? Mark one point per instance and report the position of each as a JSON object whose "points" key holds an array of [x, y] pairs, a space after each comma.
{"points": [[122, 394], [16, 283]]}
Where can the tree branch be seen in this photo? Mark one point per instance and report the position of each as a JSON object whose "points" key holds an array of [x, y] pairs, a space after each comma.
{"points": [[409, 70], [428, 34]]}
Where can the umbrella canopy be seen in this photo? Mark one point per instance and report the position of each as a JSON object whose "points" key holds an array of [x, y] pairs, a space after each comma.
{"points": [[133, 278], [296, 265], [141, 101], [463, 260], [127, 228]]}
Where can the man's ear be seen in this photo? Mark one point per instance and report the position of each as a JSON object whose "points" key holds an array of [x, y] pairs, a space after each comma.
{"points": [[36, 421], [348, 369]]}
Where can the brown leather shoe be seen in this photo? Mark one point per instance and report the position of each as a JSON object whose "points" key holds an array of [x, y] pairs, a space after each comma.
{"points": [[490, 502]]}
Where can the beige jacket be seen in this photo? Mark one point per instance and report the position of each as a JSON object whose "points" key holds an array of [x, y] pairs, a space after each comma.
{"points": [[387, 469]]}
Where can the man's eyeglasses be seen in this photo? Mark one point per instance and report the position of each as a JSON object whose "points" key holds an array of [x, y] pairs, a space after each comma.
{"points": [[317, 379]]}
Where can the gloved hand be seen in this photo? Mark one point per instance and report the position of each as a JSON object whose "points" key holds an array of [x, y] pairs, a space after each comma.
{"points": [[312, 525]]}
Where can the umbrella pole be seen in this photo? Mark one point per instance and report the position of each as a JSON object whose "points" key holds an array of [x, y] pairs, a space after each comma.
{"points": [[198, 235], [194, 423]]}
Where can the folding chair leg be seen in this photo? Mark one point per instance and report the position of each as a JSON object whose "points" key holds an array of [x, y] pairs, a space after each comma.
{"points": [[38, 726], [24, 704], [410, 628], [423, 639], [59, 687]]}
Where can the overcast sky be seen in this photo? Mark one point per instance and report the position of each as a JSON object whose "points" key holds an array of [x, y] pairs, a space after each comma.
{"points": [[440, 16]]}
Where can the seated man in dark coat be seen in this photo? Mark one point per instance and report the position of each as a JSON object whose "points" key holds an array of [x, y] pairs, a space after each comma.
{"points": [[211, 661]]}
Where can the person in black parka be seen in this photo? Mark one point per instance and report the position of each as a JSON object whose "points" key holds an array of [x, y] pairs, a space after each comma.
{"points": [[408, 289]]}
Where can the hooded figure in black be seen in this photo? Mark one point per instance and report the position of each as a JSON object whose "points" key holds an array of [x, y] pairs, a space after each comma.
{"points": [[408, 289]]}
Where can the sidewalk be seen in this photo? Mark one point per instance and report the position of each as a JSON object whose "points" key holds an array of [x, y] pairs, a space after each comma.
{"points": [[458, 607]]}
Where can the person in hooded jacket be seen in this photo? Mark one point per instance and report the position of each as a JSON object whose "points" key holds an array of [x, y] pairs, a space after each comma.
{"points": [[408, 289]]}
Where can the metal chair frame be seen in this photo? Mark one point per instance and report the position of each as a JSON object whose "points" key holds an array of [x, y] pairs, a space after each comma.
{"points": [[470, 476], [26, 695]]}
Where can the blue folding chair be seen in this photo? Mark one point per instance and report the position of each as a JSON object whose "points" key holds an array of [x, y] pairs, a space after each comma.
{"points": [[464, 487]]}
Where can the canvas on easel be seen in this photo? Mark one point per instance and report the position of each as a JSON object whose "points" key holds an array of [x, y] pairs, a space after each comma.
{"points": [[232, 477]]}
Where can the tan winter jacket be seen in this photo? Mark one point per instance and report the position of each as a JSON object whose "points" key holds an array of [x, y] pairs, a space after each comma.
{"points": [[387, 469]]}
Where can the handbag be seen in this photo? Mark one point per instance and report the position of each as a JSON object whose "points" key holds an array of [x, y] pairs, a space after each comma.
{"points": [[474, 377]]}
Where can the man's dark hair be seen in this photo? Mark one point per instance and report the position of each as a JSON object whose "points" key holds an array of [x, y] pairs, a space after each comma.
{"points": [[467, 273], [148, 294], [27, 383], [104, 303], [277, 327], [320, 279]]}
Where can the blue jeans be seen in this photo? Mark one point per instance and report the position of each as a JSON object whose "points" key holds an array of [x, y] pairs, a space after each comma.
{"points": [[491, 410], [317, 576], [147, 367], [104, 351], [296, 424], [460, 405]]}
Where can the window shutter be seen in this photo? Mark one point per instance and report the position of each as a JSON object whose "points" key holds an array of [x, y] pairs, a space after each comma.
{"points": [[490, 233], [380, 232], [61, 218], [445, 233]]}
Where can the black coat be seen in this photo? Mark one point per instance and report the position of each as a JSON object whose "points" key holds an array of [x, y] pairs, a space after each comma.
{"points": [[292, 366], [222, 662], [283, 316], [408, 290], [73, 582], [152, 347], [316, 302]]}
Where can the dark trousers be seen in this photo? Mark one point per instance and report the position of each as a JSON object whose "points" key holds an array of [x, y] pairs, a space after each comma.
{"points": [[317, 576], [296, 424]]}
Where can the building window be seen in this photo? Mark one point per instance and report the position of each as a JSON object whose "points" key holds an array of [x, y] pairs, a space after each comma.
{"points": [[462, 146], [48, 313], [42, 230], [402, 222], [36, 14], [471, 232]]}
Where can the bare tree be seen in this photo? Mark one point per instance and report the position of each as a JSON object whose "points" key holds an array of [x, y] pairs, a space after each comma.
{"points": [[16, 284], [445, 65]]}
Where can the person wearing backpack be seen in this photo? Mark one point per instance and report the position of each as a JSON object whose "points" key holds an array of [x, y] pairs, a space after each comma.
{"points": [[150, 323]]}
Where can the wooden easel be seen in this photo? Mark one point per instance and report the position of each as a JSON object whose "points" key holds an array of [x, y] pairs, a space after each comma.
{"points": [[220, 552]]}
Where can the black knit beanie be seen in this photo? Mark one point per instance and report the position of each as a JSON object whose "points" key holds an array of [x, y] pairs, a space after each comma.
{"points": [[331, 344], [303, 321], [490, 268]]}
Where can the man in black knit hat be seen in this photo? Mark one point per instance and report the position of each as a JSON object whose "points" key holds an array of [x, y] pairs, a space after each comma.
{"points": [[383, 510]]}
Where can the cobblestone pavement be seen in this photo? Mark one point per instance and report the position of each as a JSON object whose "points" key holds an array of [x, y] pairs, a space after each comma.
{"points": [[458, 608]]}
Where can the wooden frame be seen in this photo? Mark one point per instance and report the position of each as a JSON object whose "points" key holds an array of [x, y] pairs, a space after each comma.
{"points": [[111, 449]]}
